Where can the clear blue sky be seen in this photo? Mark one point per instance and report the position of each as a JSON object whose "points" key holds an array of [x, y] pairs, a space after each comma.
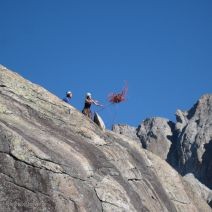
{"points": [[162, 48]]}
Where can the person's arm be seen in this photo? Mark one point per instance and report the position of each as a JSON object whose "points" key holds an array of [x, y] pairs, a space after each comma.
{"points": [[97, 103], [90, 101]]}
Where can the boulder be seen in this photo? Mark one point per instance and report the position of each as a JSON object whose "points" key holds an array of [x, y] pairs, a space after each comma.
{"points": [[98, 120]]}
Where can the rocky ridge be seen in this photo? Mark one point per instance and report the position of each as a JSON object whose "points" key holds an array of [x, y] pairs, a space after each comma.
{"points": [[52, 158], [186, 144]]}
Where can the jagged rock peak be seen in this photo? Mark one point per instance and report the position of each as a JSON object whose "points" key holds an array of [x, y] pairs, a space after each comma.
{"points": [[186, 144], [53, 158], [200, 111], [194, 140], [201, 108], [154, 134]]}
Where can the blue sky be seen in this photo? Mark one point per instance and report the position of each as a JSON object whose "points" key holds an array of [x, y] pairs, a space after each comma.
{"points": [[163, 49]]}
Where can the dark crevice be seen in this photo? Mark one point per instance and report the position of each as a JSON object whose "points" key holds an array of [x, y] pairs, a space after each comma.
{"points": [[103, 201], [173, 157], [171, 125], [207, 165], [98, 199], [137, 130], [134, 179], [3, 86], [210, 203], [181, 202]]}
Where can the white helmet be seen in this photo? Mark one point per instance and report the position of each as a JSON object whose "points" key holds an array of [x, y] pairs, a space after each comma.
{"points": [[88, 94], [68, 92]]}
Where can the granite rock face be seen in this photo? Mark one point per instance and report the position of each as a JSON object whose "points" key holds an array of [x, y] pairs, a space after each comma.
{"points": [[186, 144], [194, 140], [155, 134], [53, 158]]}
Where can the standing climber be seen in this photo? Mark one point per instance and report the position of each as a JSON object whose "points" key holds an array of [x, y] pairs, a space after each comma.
{"points": [[68, 97], [88, 102]]}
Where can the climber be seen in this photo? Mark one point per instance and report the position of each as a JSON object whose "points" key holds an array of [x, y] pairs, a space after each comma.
{"points": [[68, 97], [88, 102]]}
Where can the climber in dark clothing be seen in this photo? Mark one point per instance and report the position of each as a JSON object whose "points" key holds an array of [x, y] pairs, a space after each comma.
{"points": [[88, 102], [68, 97]]}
